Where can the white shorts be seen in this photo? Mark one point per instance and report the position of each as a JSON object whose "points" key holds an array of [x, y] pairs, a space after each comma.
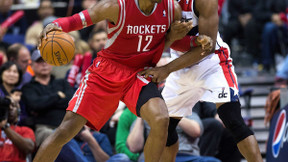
{"points": [[213, 80]]}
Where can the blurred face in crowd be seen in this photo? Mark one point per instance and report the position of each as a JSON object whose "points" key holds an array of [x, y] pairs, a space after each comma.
{"points": [[13, 112], [10, 76], [88, 3], [41, 68], [45, 9], [5, 5], [98, 41], [23, 58]]}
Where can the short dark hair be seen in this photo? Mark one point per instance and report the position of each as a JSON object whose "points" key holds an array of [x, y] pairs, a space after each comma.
{"points": [[13, 50], [91, 35], [6, 66]]}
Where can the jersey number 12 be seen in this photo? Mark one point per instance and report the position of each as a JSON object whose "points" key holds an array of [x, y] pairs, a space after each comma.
{"points": [[148, 39]]}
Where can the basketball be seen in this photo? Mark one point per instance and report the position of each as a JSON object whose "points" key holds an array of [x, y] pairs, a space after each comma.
{"points": [[58, 49]]}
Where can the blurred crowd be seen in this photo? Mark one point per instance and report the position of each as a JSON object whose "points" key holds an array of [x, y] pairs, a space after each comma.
{"points": [[34, 95]]}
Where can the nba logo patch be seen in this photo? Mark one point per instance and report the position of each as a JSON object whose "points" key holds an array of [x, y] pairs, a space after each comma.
{"points": [[187, 1], [164, 13]]}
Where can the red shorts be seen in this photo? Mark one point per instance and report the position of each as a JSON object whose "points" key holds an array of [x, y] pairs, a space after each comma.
{"points": [[105, 83]]}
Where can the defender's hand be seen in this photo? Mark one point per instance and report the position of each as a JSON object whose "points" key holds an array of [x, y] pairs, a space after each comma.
{"points": [[179, 29], [157, 74], [43, 35], [205, 42]]}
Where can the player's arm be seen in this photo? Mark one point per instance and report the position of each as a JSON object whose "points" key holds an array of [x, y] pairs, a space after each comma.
{"points": [[178, 29], [104, 10], [208, 25]]}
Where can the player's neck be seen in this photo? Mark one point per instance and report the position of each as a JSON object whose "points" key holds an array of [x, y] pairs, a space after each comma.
{"points": [[146, 6]]}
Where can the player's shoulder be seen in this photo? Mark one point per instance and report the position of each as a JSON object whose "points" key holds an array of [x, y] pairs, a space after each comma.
{"points": [[206, 6], [112, 2], [109, 4]]}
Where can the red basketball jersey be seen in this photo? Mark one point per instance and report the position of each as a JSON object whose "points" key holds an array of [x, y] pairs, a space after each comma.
{"points": [[137, 40]]}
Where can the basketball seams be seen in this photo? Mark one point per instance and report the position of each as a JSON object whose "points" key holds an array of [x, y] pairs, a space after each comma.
{"points": [[44, 48], [60, 46], [52, 48], [63, 51], [65, 40]]}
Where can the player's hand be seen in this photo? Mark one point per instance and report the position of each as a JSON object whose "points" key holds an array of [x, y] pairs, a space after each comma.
{"points": [[205, 42], [43, 35], [179, 29], [157, 74]]}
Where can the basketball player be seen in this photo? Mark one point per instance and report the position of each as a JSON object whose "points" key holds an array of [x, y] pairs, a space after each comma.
{"points": [[136, 32], [207, 76]]}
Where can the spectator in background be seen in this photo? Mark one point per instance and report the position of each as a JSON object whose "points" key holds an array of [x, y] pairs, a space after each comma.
{"points": [[216, 140], [132, 132], [11, 76], [97, 41], [16, 32], [19, 54], [45, 10], [86, 146], [273, 14], [15, 142], [126, 151], [189, 130], [46, 98], [281, 79], [242, 25]]}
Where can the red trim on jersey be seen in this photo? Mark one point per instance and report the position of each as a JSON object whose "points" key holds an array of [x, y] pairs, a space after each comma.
{"points": [[119, 15], [226, 64], [110, 25]]}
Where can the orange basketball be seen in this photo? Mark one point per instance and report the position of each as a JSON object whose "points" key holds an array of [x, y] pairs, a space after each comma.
{"points": [[58, 49]]}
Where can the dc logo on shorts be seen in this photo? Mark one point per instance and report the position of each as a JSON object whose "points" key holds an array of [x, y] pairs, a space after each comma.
{"points": [[223, 94], [279, 134]]}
